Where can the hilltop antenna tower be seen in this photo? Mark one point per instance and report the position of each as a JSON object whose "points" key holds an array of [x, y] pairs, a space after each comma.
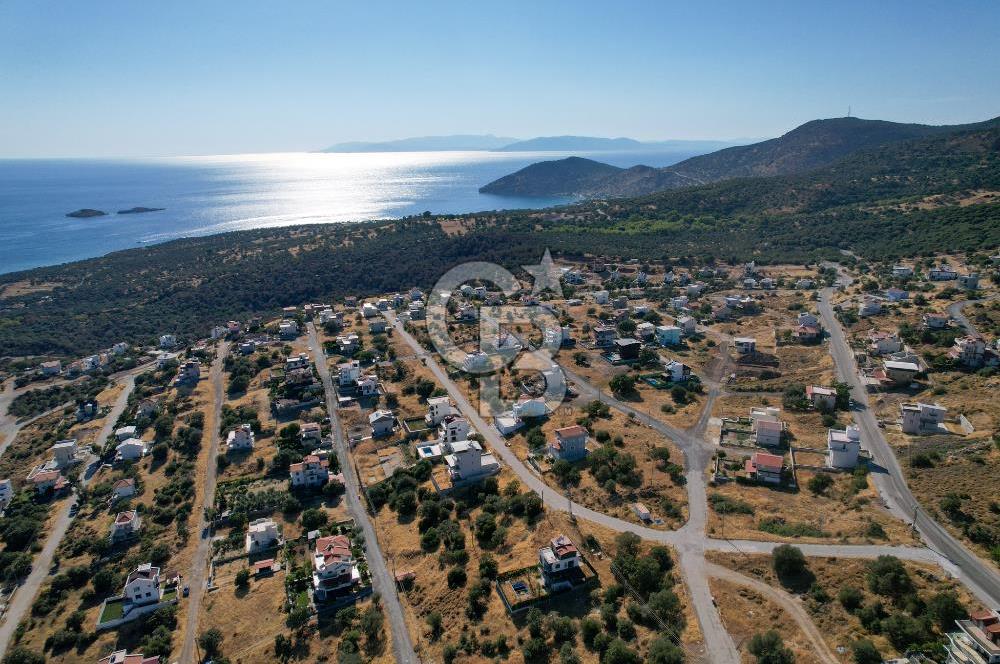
{"points": [[848, 110]]}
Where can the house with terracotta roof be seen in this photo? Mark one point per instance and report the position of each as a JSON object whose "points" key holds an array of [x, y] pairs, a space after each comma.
{"points": [[569, 443], [240, 439], [45, 480], [334, 566], [882, 342], [124, 488], [764, 467], [822, 398], [311, 431], [806, 333], [977, 640], [971, 352], [558, 562], [125, 526], [310, 472]]}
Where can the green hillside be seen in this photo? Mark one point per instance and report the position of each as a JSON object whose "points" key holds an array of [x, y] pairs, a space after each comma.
{"points": [[867, 203]]}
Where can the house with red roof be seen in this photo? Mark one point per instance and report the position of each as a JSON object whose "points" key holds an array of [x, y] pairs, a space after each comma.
{"points": [[569, 443], [765, 467], [334, 566], [560, 563]]}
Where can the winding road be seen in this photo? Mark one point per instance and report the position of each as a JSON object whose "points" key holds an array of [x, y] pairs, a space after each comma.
{"points": [[691, 540], [26, 592], [955, 312], [782, 599], [382, 579]]}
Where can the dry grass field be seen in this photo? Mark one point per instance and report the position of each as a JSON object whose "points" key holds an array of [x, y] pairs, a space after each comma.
{"points": [[746, 612], [839, 627], [637, 440], [430, 592]]}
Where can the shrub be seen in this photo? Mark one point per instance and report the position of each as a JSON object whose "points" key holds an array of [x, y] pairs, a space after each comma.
{"points": [[819, 483], [887, 576], [850, 598], [788, 561], [456, 577], [768, 648]]}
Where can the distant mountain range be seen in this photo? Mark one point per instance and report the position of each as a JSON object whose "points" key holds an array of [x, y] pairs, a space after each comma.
{"points": [[810, 146], [426, 144], [539, 144]]}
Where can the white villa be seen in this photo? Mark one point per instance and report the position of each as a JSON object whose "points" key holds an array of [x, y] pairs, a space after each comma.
{"points": [[240, 439], [126, 525], [132, 449], [843, 447], [143, 585], [437, 409], [124, 488], [453, 429], [468, 463], [381, 422], [348, 373], [669, 335], [920, 418], [557, 562], [261, 534]]}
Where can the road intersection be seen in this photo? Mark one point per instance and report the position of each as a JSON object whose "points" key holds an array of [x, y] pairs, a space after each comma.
{"points": [[691, 540]]}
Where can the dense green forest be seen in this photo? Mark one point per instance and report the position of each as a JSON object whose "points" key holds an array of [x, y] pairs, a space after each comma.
{"points": [[862, 203]]}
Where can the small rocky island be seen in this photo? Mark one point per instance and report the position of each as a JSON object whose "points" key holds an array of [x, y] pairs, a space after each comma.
{"points": [[86, 213], [140, 210]]}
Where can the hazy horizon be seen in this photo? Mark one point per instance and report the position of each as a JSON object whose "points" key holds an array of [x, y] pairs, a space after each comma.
{"points": [[120, 79]]}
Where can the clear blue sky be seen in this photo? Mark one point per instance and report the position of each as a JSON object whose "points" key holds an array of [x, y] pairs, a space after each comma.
{"points": [[138, 77]]}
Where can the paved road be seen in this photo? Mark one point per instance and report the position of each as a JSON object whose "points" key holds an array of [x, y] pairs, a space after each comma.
{"points": [[690, 541], [9, 424], [978, 575], [196, 579], [383, 581], [718, 644], [782, 599], [25, 595], [955, 311]]}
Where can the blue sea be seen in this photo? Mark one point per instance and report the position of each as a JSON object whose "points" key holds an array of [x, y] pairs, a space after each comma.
{"points": [[206, 195]]}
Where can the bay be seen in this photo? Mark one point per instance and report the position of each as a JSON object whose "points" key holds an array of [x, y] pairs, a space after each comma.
{"points": [[217, 194]]}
